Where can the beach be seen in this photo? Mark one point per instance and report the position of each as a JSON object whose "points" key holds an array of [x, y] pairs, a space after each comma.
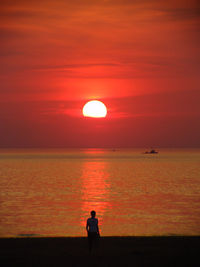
{"points": [[113, 251]]}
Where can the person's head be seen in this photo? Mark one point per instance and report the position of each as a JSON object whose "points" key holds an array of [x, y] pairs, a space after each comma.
{"points": [[93, 213]]}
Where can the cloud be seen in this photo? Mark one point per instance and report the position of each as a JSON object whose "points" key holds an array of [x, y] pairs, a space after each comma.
{"points": [[53, 46], [153, 104], [9, 33], [17, 13], [70, 66], [182, 13]]}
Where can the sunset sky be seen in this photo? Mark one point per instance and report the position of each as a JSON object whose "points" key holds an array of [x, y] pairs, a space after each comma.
{"points": [[140, 57]]}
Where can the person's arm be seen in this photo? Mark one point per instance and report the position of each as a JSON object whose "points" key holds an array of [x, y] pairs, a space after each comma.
{"points": [[98, 229], [87, 226]]}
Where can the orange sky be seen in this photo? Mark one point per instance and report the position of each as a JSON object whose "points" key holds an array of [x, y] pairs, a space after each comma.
{"points": [[142, 58]]}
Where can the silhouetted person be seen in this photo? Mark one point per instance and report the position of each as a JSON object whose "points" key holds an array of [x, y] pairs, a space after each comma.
{"points": [[93, 231]]}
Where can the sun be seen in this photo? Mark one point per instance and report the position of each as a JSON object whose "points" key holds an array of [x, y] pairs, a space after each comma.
{"points": [[94, 109]]}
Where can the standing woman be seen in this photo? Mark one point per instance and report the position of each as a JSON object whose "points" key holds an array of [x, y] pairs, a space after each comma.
{"points": [[93, 231]]}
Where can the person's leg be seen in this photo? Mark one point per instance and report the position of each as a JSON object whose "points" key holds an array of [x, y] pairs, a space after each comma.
{"points": [[96, 243], [90, 242]]}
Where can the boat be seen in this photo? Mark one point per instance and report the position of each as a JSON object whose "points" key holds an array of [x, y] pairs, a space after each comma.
{"points": [[153, 151]]}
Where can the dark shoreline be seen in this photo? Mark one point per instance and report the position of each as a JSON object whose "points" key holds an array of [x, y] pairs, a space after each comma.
{"points": [[113, 251]]}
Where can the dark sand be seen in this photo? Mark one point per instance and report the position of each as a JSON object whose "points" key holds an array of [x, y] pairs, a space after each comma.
{"points": [[113, 251]]}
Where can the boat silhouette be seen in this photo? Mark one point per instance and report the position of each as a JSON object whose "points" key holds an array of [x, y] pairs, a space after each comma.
{"points": [[153, 151]]}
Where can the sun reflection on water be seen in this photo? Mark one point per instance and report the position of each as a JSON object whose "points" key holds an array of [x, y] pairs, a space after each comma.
{"points": [[95, 190]]}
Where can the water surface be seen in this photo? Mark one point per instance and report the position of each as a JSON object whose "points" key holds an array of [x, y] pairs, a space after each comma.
{"points": [[51, 192]]}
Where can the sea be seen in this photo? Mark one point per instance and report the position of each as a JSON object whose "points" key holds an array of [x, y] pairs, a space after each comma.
{"points": [[50, 192]]}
